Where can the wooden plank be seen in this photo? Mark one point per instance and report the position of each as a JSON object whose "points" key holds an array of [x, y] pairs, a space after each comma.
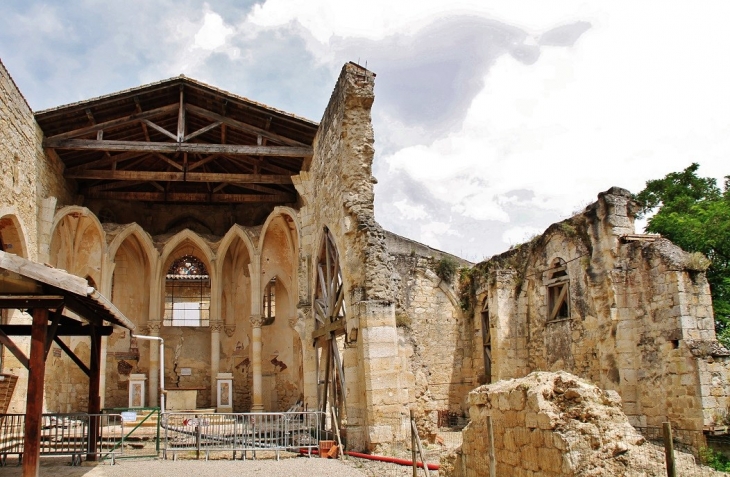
{"points": [[17, 352], [559, 301], [242, 126], [172, 176], [112, 186], [201, 162], [173, 147], [193, 197], [72, 355], [62, 330], [24, 302], [34, 401], [337, 327], [132, 118]]}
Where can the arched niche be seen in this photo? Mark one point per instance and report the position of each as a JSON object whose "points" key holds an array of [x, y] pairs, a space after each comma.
{"points": [[281, 353], [77, 243], [188, 363], [12, 238], [131, 282]]}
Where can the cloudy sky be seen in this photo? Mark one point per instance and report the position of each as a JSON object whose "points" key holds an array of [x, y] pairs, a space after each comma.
{"points": [[493, 119]]}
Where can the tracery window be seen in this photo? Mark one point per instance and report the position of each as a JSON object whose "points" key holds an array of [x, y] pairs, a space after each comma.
{"points": [[557, 282], [187, 293]]}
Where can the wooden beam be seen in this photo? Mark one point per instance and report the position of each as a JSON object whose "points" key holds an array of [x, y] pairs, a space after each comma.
{"points": [[82, 366], [257, 188], [94, 408], [201, 162], [106, 161], [337, 327], [67, 330], [160, 129], [17, 352], [132, 118], [201, 131], [242, 126], [172, 176], [34, 401], [112, 186], [193, 197], [24, 302], [169, 161], [181, 116], [172, 147]]}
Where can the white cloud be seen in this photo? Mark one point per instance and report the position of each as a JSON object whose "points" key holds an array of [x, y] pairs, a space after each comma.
{"points": [[213, 33], [410, 211], [516, 235]]}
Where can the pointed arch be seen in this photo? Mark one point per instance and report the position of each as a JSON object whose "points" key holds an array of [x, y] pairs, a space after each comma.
{"points": [[177, 241], [12, 233], [78, 242], [134, 230], [290, 216]]}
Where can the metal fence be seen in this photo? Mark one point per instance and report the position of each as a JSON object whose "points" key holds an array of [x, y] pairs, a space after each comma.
{"points": [[239, 433], [64, 435], [141, 431]]}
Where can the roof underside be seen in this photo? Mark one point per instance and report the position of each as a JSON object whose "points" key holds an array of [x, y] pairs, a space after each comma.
{"points": [[179, 140]]}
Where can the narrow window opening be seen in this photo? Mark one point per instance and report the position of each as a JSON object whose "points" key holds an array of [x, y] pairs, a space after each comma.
{"points": [[269, 306], [557, 282]]}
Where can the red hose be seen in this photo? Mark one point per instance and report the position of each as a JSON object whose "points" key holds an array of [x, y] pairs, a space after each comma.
{"points": [[379, 458]]}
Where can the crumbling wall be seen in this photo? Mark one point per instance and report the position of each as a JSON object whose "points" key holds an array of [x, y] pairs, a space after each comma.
{"points": [[436, 348], [638, 316], [554, 424], [336, 187]]}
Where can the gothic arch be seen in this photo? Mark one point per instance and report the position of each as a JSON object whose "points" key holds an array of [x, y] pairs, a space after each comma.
{"points": [[12, 233]]}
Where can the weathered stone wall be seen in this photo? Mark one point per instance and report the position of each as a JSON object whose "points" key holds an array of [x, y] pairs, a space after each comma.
{"points": [[638, 321], [554, 424], [435, 343], [336, 187]]}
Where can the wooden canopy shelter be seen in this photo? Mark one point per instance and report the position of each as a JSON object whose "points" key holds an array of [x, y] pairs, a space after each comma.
{"points": [[47, 293], [179, 140]]}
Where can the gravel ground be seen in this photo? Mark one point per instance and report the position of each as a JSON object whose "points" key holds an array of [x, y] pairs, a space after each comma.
{"points": [[300, 466]]}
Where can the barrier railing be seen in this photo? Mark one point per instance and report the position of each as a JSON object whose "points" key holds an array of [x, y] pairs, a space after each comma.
{"points": [[239, 433], [63, 435]]}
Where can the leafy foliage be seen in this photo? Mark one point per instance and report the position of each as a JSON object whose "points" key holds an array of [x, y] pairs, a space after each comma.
{"points": [[446, 268], [714, 459], [694, 213]]}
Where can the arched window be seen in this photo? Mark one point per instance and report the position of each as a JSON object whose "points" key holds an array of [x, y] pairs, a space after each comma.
{"points": [[269, 306], [187, 293]]}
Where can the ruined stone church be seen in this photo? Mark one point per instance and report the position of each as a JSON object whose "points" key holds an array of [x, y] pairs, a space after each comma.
{"points": [[245, 238]]}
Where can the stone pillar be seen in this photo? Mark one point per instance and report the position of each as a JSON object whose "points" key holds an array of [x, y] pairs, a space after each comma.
{"points": [[215, 358], [258, 392], [154, 330]]}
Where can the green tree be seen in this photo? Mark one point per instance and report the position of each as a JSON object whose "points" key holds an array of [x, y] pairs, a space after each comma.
{"points": [[694, 213]]}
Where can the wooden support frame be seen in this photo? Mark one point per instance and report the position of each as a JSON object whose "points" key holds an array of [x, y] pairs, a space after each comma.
{"points": [[34, 405], [17, 352]]}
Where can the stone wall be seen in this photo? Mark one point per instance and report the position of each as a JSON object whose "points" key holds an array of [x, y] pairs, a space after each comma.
{"points": [[555, 424], [336, 188], [434, 338], [637, 317]]}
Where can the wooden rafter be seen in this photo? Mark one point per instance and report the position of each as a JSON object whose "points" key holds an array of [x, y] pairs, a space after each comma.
{"points": [[193, 197], [171, 176], [241, 126], [130, 119], [172, 147]]}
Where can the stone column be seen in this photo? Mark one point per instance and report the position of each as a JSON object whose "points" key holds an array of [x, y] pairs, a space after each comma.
{"points": [[153, 328], [215, 358], [258, 392]]}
